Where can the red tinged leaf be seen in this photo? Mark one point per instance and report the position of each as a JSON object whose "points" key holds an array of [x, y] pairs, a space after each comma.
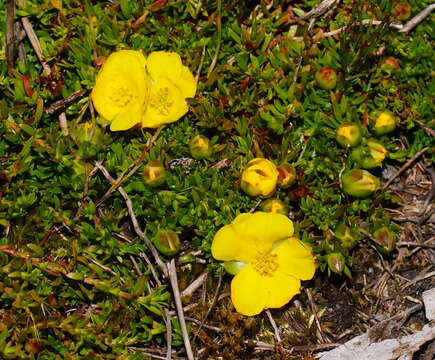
{"points": [[27, 88], [157, 5]]}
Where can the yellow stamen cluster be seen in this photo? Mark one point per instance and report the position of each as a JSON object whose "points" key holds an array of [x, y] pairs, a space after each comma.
{"points": [[265, 264], [161, 101], [121, 96]]}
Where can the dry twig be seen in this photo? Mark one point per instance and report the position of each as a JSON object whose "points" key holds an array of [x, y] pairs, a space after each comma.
{"points": [[65, 102], [133, 218], [275, 328], [405, 166], [172, 272]]}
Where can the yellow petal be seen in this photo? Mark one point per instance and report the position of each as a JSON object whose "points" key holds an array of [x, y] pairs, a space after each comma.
{"points": [[187, 83], [262, 229], [120, 83], [127, 118], [280, 289], [247, 292], [227, 245], [164, 64], [166, 103], [296, 259]]}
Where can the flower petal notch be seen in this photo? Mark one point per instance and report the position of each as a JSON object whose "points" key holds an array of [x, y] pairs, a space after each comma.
{"points": [[170, 83], [275, 262], [120, 93]]}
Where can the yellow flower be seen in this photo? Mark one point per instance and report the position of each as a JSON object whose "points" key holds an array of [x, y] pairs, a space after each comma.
{"points": [[170, 83], [120, 90], [275, 261], [259, 177]]}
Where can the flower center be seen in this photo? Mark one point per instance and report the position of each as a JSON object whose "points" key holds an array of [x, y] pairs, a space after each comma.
{"points": [[265, 264], [161, 102], [120, 96]]}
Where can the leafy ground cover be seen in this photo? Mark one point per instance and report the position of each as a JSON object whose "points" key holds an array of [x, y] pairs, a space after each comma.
{"points": [[78, 280]]}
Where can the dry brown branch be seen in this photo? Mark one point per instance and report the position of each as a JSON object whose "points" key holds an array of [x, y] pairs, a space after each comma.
{"points": [[198, 322], [405, 166], [172, 272], [135, 166], [319, 10], [416, 244], [275, 328], [168, 335], [313, 306], [28, 28], [417, 19], [213, 302], [133, 218], [63, 123], [431, 193], [10, 35], [65, 102], [194, 285]]}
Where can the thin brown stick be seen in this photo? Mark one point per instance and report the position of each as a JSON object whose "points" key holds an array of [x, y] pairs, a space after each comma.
{"points": [[168, 335], [172, 272], [317, 347], [10, 35], [417, 19], [319, 9], [63, 123], [143, 256], [275, 328], [194, 285], [198, 322], [135, 166], [405, 166], [133, 218], [28, 28], [64, 102], [313, 306], [430, 195], [416, 244], [213, 302]]}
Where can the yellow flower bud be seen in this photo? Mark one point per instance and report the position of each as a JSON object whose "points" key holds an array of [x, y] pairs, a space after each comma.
{"points": [[286, 175], [154, 173], [326, 78], [274, 206], [200, 147], [259, 178], [383, 122], [370, 155], [359, 183], [348, 134]]}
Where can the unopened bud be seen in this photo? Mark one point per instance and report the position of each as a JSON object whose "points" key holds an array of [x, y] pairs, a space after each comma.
{"points": [[167, 242], [346, 235], [390, 64], [200, 147], [259, 178], [274, 206], [359, 183], [233, 267], [286, 175], [336, 262], [370, 155], [348, 134], [385, 240], [326, 78], [383, 122], [88, 132], [402, 11], [154, 173]]}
